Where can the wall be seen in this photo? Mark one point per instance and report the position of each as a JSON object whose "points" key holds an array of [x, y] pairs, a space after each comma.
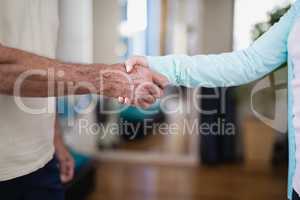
{"points": [[106, 22], [76, 45], [217, 32], [76, 31]]}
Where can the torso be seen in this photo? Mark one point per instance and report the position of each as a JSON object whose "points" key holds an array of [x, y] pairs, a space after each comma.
{"points": [[26, 140], [294, 50]]}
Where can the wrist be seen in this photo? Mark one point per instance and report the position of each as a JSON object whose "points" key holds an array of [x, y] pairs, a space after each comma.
{"points": [[86, 78]]}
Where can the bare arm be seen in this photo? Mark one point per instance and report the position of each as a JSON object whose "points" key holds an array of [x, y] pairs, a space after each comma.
{"points": [[37, 74]]}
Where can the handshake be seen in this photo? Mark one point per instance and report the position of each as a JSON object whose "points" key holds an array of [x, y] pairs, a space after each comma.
{"points": [[134, 83]]}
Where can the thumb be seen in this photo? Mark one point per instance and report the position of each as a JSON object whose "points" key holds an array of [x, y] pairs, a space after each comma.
{"points": [[135, 60], [160, 80]]}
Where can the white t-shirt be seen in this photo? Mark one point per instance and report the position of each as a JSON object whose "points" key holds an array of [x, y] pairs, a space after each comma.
{"points": [[26, 140], [294, 50]]}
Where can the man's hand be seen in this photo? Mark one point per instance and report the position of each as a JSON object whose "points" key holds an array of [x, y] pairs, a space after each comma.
{"points": [[66, 163], [65, 159], [111, 80], [148, 86]]}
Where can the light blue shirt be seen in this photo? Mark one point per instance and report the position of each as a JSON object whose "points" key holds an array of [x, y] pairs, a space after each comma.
{"points": [[231, 69]]}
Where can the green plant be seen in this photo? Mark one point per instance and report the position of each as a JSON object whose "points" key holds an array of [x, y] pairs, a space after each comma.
{"points": [[281, 73], [273, 17]]}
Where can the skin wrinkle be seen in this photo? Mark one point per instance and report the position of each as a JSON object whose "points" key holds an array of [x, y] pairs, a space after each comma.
{"points": [[14, 62], [71, 78]]}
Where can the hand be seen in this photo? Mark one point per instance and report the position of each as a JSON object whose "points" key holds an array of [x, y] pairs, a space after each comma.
{"points": [[136, 60], [66, 162], [159, 82], [140, 87], [148, 86], [108, 80]]}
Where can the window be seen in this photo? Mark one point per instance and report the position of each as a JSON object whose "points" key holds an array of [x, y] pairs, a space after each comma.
{"points": [[247, 14], [140, 27]]}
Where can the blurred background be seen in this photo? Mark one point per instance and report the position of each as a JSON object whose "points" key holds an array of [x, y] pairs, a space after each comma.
{"points": [[244, 153]]}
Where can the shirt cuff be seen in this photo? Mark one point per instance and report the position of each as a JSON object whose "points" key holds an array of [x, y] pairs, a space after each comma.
{"points": [[164, 66]]}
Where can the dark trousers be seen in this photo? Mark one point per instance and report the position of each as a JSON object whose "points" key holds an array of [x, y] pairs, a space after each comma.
{"points": [[295, 196], [43, 184]]}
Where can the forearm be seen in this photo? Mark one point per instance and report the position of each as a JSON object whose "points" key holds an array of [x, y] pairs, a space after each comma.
{"points": [[223, 70], [44, 74], [231, 69]]}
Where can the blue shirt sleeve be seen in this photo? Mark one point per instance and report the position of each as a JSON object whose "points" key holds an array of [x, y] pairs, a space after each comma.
{"points": [[231, 69]]}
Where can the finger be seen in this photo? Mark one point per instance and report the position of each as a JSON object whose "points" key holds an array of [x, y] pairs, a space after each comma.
{"points": [[154, 90], [149, 99], [143, 104], [160, 80], [129, 65], [70, 171], [121, 100], [127, 96], [67, 171], [135, 60], [128, 101], [63, 172], [68, 175], [148, 88]]}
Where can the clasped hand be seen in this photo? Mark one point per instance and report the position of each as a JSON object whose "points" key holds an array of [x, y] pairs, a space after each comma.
{"points": [[148, 85]]}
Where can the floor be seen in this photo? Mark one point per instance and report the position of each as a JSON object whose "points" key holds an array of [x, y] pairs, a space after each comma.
{"points": [[251, 181], [116, 181], [167, 144]]}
